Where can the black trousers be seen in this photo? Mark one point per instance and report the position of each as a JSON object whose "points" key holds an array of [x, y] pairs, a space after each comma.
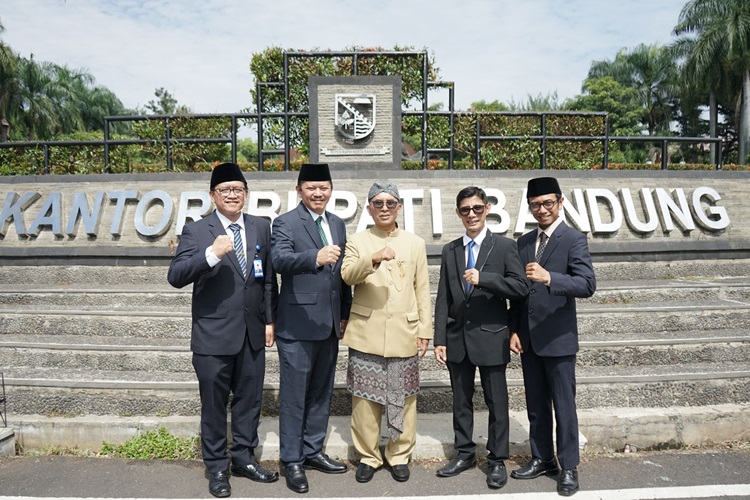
{"points": [[242, 375], [550, 382], [306, 370], [495, 389]]}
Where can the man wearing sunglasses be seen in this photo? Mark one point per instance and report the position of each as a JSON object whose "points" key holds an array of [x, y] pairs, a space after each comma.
{"points": [[389, 330], [479, 273], [545, 332]]}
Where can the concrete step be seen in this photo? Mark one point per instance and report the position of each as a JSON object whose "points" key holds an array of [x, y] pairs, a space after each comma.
{"points": [[156, 298], [709, 315], [168, 355], [152, 299], [605, 430], [75, 392], [141, 275]]}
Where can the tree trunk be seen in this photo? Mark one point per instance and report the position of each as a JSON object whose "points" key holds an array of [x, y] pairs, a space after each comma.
{"points": [[713, 118], [744, 118]]}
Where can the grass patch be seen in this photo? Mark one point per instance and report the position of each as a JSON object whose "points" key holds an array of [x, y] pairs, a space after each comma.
{"points": [[158, 443]]}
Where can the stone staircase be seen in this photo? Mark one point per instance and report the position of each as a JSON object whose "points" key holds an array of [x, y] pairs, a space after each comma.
{"points": [[98, 340]]}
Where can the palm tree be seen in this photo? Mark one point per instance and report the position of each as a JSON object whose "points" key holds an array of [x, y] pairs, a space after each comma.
{"points": [[700, 79], [650, 70], [8, 86], [37, 93], [721, 29]]}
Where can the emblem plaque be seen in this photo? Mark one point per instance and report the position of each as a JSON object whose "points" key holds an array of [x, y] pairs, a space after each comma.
{"points": [[355, 115]]}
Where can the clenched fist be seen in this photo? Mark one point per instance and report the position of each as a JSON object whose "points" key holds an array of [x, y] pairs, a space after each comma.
{"points": [[222, 245], [329, 254], [386, 253]]}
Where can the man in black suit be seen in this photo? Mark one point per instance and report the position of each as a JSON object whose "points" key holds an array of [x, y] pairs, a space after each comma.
{"points": [[307, 248], [226, 257], [544, 330], [479, 273]]}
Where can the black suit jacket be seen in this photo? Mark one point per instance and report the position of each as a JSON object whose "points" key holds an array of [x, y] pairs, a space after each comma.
{"points": [[477, 325], [313, 299], [226, 307], [546, 319]]}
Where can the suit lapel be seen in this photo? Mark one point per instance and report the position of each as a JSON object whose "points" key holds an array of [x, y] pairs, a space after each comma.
{"points": [[552, 243], [460, 258], [309, 224], [334, 232], [484, 254], [484, 250]]}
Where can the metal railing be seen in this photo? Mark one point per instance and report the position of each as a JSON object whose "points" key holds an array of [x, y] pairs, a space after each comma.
{"points": [[664, 141], [543, 138]]}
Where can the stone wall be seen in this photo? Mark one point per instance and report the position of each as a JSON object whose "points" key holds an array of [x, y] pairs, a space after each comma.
{"points": [[136, 219]]}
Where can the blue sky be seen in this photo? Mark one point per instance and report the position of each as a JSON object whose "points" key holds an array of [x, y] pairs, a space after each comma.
{"points": [[200, 50]]}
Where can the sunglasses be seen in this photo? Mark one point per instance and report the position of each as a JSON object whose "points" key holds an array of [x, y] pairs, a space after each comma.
{"points": [[477, 209], [378, 204]]}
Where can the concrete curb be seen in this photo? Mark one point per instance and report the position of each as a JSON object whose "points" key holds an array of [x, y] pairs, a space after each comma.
{"points": [[608, 429]]}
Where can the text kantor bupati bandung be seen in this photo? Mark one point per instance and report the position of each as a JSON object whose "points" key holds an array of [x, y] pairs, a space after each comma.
{"points": [[154, 213]]}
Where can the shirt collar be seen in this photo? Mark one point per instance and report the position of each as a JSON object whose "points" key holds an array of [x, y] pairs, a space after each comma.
{"points": [[315, 216], [478, 239], [225, 222], [550, 229]]}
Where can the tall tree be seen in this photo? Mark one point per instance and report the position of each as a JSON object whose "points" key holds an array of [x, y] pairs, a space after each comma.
{"points": [[650, 70], [721, 31], [8, 86], [165, 104], [621, 102], [38, 92]]}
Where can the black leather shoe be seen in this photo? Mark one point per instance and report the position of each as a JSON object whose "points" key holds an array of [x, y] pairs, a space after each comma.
{"points": [[324, 463], [255, 472], [364, 473], [296, 480], [400, 472], [496, 476], [568, 482], [218, 484], [537, 467], [457, 466]]}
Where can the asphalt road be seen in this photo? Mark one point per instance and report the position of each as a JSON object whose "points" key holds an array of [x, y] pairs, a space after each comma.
{"points": [[706, 473]]}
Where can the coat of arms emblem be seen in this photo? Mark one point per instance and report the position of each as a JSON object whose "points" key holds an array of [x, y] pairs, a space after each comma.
{"points": [[355, 115]]}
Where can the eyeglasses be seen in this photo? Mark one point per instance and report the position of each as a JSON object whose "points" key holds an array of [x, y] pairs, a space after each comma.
{"points": [[378, 204], [226, 191], [548, 204], [477, 209]]}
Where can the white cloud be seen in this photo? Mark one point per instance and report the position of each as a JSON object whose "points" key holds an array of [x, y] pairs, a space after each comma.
{"points": [[200, 51]]}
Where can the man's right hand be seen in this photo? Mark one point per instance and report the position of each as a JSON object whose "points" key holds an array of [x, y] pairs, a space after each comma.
{"points": [[515, 343], [329, 254], [385, 253], [222, 245], [441, 354]]}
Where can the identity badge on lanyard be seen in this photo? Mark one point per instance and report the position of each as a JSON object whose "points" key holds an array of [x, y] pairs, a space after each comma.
{"points": [[257, 264]]}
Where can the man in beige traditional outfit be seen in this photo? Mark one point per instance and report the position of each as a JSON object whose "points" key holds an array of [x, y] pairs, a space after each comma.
{"points": [[390, 326]]}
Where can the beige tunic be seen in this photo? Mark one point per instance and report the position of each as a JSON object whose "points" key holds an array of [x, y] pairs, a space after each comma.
{"points": [[391, 306]]}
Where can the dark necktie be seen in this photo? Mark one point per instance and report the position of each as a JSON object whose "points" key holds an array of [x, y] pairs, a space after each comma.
{"points": [[542, 244], [239, 248], [319, 223], [470, 263]]}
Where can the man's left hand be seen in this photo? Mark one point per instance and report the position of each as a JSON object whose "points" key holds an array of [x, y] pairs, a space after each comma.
{"points": [[342, 328], [269, 335], [422, 346]]}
